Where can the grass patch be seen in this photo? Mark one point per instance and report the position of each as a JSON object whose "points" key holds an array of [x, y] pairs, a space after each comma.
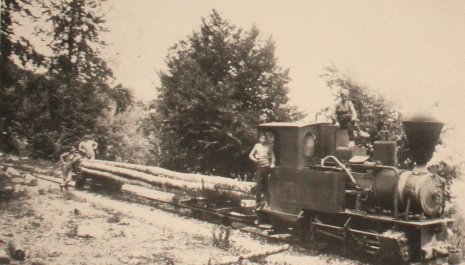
{"points": [[456, 238], [220, 237], [42, 191], [17, 206], [115, 218], [163, 258], [72, 227], [69, 196]]}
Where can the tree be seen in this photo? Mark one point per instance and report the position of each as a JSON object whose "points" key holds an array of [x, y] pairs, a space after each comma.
{"points": [[122, 138], [122, 97], [76, 91], [16, 54], [49, 112], [76, 27], [221, 83]]}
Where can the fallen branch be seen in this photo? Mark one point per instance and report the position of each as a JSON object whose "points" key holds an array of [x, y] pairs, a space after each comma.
{"points": [[16, 250], [268, 252]]}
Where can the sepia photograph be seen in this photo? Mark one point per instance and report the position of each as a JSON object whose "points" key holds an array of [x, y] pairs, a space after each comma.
{"points": [[244, 132]]}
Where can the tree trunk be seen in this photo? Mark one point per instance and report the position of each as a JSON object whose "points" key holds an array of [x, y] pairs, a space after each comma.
{"points": [[161, 183], [220, 182]]}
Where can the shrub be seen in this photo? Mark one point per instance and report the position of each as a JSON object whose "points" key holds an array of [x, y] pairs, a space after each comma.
{"points": [[43, 145], [221, 237], [7, 188], [115, 218]]}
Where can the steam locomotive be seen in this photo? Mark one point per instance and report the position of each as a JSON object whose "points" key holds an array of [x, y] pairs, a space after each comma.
{"points": [[327, 192]]}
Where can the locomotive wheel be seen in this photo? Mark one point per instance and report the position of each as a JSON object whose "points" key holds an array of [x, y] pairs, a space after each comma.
{"points": [[404, 251], [321, 242], [368, 243], [277, 225], [307, 232]]}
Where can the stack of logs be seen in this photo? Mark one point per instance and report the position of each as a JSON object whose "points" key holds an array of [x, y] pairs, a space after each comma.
{"points": [[169, 181]]}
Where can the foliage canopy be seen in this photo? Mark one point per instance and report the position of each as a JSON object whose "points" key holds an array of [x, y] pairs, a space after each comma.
{"points": [[220, 84], [49, 102]]}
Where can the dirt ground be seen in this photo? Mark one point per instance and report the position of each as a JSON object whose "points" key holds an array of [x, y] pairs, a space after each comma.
{"points": [[82, 227]]}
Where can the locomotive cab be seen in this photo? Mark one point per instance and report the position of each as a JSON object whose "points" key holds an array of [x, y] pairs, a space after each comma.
{"points": [[300, 145], [299, 182]]}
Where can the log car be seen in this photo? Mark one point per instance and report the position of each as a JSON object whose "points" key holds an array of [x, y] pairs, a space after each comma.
{"points": [[327, 192], [96, 182]]}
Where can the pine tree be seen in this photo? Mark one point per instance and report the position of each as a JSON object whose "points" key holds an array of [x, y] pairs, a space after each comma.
{"points": [[78, 91], [15, 57]]}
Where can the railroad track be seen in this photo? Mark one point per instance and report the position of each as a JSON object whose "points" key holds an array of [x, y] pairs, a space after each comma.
{"points": [[173, 206], [165, 204]]}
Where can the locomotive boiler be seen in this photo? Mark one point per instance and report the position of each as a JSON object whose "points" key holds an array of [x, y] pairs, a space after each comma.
{"points": [[327, 192]]}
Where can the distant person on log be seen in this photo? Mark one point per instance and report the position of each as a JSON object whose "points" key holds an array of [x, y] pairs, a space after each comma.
{"points": [[68, 161], [344, 113], [263, 156], [87, 148]]}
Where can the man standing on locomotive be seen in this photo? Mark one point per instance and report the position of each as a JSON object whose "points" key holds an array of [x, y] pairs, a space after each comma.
{"points": [[263, 156], [344, 113]]}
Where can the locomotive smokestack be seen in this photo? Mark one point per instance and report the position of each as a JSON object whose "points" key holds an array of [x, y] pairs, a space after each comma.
{"points": [[422, 131]]}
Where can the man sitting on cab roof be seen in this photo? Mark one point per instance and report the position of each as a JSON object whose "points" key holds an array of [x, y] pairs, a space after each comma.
{"points": [[344, 113]]}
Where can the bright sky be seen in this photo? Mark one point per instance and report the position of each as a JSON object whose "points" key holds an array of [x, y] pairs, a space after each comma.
{"points": [[413, 52]]}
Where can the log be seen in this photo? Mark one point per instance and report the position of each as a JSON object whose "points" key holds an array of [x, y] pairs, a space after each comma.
{"points": [[16, 250], [148, 178], [160, 183], [27, 168], [11, 172], [4, 258], [136, 182], [114, 177], [220, 182]]}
